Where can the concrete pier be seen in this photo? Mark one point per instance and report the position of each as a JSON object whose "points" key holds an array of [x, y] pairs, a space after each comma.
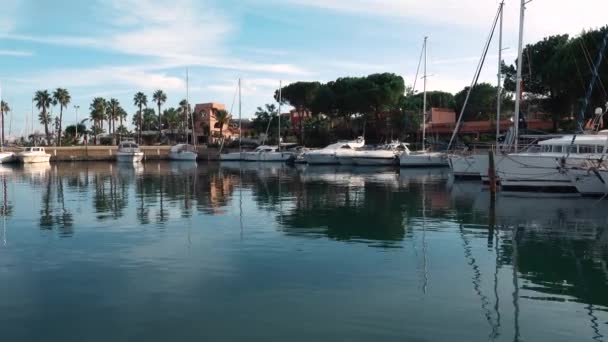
{"points": [[108, 153]]}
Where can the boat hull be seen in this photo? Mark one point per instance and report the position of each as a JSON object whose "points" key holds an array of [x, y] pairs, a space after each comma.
{"points": [[232, 156], [34, 158], [182, 156], [588, 182], [423, 160], [7, 157], [321, 159], [129, 157], [464, 166], [534, 173], [371, 161]]}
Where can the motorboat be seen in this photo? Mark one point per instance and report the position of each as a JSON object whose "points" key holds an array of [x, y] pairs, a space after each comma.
{"points": [[544, 167], [329, 154], [129, 152], [183, 152], [232, 156], [385, 155], [423, 159], [33, 155]]}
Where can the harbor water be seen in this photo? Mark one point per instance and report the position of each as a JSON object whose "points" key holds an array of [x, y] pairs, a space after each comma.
{"points": [[256, 252]]}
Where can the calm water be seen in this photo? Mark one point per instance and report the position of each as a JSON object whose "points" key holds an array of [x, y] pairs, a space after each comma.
{"points": [[174, 252]]}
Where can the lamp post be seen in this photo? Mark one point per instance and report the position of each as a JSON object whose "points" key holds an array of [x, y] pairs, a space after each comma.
{"points": [[76, 135]]}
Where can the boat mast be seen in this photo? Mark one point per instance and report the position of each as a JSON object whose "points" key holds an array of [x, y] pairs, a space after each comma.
{"points": [[280, 86], [240, 120], [424, 100], [188, 107], [499, 85], [2, 113], [518, 84]]}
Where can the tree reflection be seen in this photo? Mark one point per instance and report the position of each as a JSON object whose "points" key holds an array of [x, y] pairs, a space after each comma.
{"points": [[55, 214]]}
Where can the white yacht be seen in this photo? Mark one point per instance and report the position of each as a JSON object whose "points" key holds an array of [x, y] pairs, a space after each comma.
{"points": [[385, 155], [33, 155], [329, 154], [129, 152], [183, 152], [545, 166]]}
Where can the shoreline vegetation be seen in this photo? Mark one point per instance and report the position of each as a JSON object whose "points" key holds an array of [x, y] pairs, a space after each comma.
{"points": [[557, 71]]}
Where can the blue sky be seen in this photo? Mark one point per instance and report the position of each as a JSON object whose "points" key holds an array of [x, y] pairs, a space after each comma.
{"points": [[114, 48]]}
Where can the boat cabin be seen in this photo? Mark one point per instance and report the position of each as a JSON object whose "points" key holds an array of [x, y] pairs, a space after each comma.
{"points": [[583, 144], [34, 150]]}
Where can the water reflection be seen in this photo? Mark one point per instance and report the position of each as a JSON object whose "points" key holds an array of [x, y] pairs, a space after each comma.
{"points": [[510, 260]]}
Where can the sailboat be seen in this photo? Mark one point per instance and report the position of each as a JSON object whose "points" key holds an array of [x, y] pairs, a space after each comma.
{"points": [[423, 158], [546, 166], [271, 153], [235, 156], [5, 157], [465, 164], [185, 152]]}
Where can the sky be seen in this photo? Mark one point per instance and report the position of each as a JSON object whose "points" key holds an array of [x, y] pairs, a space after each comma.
{"points": [[115, 48]]}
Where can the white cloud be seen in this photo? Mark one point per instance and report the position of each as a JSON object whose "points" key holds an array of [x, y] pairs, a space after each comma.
{"points": [[16, 53], [107, 76], [544, 17]]}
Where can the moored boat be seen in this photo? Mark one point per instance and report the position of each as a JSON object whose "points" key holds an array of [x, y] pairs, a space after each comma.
{"points": [[327, 155], [183, 152], [33, 155], [129, 152]]}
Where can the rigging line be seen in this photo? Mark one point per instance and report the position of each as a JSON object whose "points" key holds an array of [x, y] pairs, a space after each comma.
{"points": [[587, 55], [418, 68], [475, 77]]}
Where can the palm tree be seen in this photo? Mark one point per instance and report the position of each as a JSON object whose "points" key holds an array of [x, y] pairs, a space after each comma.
{"points": [[4, 108], [160, 98], [140, 100], [122, 115], [98, 114], [62, 97], [223, 118], [113, 111], [43, 102]]}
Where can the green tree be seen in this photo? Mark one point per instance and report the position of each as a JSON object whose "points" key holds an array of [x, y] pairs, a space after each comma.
{"points": [[4, 108], [263, 117], [150, 119], [299, 95], [113, 113], [481, 105], [98, 115], [62, 97], [73, 132], [223, 118], [140, 100], [171, 119], [160, 98], [43, 102]]}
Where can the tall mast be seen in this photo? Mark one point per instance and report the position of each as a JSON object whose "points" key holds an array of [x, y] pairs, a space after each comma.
{"points": [[280, 89], [424, 101], [499, 85], [240, 121], [518, 83], [188, 107], [2, 113]]}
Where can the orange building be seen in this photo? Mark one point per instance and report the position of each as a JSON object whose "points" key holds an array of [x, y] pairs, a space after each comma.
{"points": [[206, 128]]}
